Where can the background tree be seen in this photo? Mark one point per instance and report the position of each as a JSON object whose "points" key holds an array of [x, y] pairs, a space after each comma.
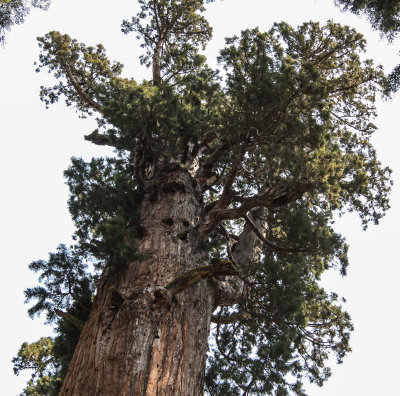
{"points": [[384, 17], [278, 135], [13, 12], [39, 357]]}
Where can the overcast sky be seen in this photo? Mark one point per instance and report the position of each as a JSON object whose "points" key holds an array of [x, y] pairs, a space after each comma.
{"points": [[37, 144]]}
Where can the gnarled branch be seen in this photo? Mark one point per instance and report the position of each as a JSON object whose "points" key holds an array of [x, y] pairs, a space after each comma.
{"points": [[270, 199], [98, 138], [189, 278]]}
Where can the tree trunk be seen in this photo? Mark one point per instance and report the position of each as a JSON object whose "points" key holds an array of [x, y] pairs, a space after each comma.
{"points": [[138, 340]]}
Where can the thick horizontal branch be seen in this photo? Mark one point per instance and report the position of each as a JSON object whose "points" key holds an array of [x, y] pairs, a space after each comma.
{"points": [[189, 278], [81, 92]]}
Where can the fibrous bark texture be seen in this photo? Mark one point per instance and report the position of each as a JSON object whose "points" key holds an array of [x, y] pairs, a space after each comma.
{"points": [[140, 339]]}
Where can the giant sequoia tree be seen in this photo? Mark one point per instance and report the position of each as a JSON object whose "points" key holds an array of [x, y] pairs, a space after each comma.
{"points": [[216, 211]]}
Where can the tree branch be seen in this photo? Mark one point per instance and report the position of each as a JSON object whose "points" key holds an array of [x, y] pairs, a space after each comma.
{"points": [[81, 92], [70, 318], [226, 195], [206, 168], [273, 197], [189, 278], [98, 138], [228, 319], [271, 245], [230, 290]]}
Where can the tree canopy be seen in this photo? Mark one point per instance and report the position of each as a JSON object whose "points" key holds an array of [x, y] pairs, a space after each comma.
{"points": [[278, 140]]}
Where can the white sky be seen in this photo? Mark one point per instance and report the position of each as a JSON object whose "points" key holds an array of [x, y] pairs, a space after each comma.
{"points": [[36, 146]]}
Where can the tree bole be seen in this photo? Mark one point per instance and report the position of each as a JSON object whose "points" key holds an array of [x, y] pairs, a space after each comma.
{"points": [[150, 342]]}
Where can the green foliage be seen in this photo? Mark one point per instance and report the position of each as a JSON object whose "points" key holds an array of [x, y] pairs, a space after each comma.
{"points": [[66, 285], [159, 121], [306, 99], [288, 324], [87, 67], [13, 12], [104, 203], [39, 357], [384, 15], [47, 385], [303, 99], [65, 282], [291, 327]]}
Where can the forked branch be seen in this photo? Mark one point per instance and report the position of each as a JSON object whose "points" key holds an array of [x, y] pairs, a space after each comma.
{"points": [[270, 199]]}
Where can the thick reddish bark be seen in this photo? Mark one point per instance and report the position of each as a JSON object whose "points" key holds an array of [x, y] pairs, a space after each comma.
{"points": [[138, 340]]}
